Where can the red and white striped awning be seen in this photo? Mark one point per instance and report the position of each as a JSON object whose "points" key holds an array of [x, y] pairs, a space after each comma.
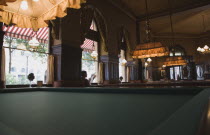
{"points": [[88, 45], [27, 33]]}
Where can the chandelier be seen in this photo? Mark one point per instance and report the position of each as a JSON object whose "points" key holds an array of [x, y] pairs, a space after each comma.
{"points": [[94, 55], [149, 49], [123, 62], [175, 61], [204, 50], [33, 43]]}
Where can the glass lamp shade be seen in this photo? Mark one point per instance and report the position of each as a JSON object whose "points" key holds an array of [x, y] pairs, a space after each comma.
{"points": [[206, 47], [149, 60], [148, 50], [24, 5], [94, 54], [175, 61], [124, 61], [34, 43], [202, 50], [21, 46], [199, 49], [164, 66]]}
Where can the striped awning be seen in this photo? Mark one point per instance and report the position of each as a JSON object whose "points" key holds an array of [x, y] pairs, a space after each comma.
{"points": [[27, 33], [88, 45]]}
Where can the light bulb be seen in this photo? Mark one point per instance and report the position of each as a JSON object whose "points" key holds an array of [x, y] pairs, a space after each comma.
{"points": [[146, 64], [124, 61], [149, 60], [34, 43], [202, 50], [94, 54], [24, 5], [164, 66], [199, 49], [206, 47]]}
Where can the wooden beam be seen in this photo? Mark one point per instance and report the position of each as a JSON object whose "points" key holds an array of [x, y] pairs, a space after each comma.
{"points": [[204, 5]]}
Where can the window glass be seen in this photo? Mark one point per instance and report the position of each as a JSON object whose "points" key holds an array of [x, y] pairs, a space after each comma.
{"points": [[90, 64], [121, 66], [19, 63]]}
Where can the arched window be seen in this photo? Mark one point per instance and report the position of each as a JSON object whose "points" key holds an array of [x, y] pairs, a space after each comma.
{"points": [[90, 47], [177, 51], [176, 72]]}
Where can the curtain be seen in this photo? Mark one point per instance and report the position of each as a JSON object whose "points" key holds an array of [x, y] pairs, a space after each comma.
{"points": [[3, 72], [50, 69], [86, 19], [101, 28], [100, 73]]}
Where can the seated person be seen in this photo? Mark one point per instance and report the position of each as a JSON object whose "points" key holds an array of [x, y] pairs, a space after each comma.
{"points": [[85, 82], [93, 76]]}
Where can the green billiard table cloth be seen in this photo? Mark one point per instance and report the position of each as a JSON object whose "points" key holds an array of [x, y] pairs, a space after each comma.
{"points": [[101, 111]]}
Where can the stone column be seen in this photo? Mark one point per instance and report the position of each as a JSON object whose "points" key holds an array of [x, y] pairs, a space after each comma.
{"points": [[67, 50], [2, 84], [111, 69], [134, 73]]}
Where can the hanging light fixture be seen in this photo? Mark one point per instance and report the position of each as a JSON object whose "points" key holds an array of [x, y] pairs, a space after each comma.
{"points": [[94, 54], [24, 5], [149, 60], [149, 49], [206, 48], [174, 60], [124, 61], [146, 64], [21, 46], [164, 66], [33, 43]]}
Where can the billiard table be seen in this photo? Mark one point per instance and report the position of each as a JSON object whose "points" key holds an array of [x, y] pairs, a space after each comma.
{"points": [[101, 111]]}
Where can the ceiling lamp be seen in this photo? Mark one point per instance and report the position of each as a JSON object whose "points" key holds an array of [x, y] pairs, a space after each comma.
{"points": [[175, 61], [94, 54], [206, 48], [149, 60], [124, 61], [164, 66], [35, 0], [149, 49], [34, 43], [24, 5], [21, 46]]}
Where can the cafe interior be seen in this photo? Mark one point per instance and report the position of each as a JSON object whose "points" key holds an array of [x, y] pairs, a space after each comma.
{"points": [[110, 67], [118, 43]]}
